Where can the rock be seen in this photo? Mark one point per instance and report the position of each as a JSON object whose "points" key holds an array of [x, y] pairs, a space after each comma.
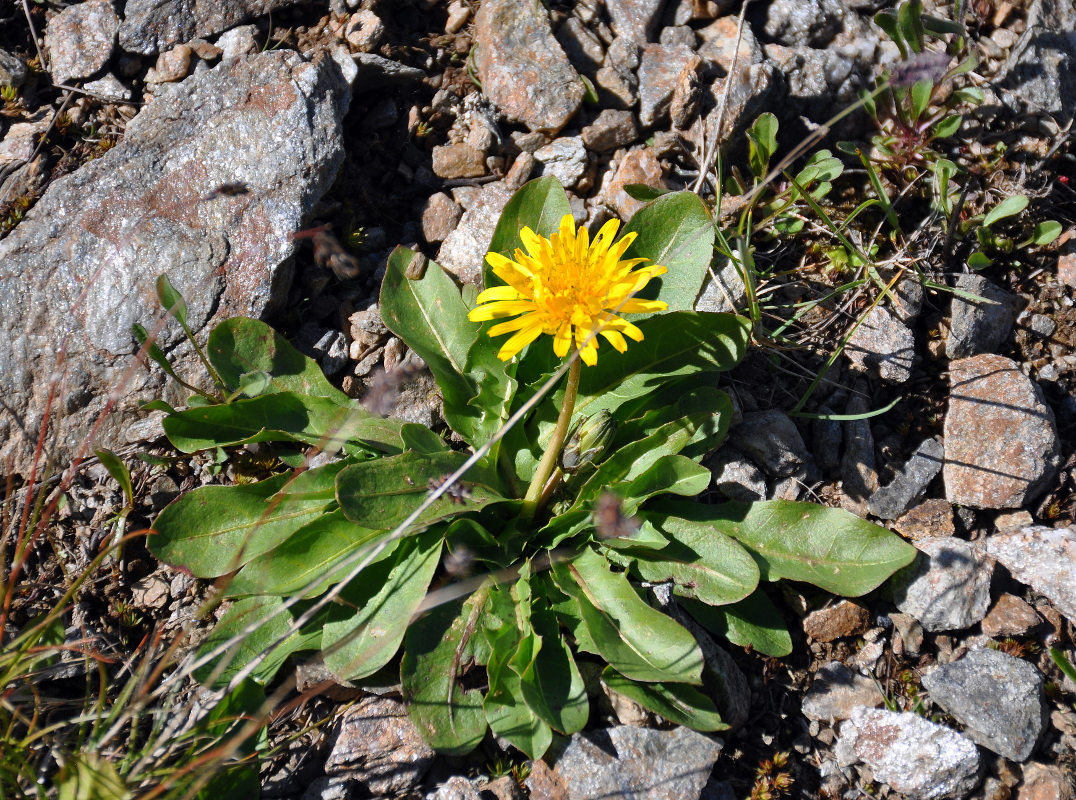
{"points": [[522, 168], [817, 81], [565, 158], [544, 784], [440, 217], [1001, 444], [503, 788], [826, 441], [172, 65], [747, 97], [892, 500], [1046, 782], [998, 699], [617, 73], [978, 327], [836, 690], [804, 22], [464, 251], [719, 45], [582, 47], [80, 39], [378, 745], [657, 765], [1010, 616], [772, 440], [914, 756], [1042, 558], [736, 477], [375, 72], [661, 69], [947, 587], [910, 632], [611, 129], [724, 289], [844, 618], [334, 787], [12, 70], [20, 141], [455, 788], [907, 300], [237, 42], [678, 36], [522, 68], [883, 345], [458, 14], [108, 87], [1066, 259], [637, 166], [635, 19], [458, 160], [84, 260], [929, 519], [364, 30], [1039, 76], [150, 26]]}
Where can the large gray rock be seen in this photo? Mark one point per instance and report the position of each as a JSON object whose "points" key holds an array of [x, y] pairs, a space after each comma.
{"points": [[80, 39], [998, 699], [947, 587], [523, 69], [1040, 74], [81, 267], [978, 326], [892, 500], [150, 26], [919, 758], [1044, 559], [798, 22], [1001, 443], [643, 763], [884, 345]]}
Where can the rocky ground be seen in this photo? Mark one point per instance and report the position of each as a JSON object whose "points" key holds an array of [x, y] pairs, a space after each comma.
{"points": [[150, 138]]}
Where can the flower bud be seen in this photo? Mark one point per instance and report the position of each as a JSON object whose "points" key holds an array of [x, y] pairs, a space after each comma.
{"points": [[589, 442]]}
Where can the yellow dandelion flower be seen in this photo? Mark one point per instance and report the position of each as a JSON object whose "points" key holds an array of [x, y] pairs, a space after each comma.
{"points": [[568, 287]]}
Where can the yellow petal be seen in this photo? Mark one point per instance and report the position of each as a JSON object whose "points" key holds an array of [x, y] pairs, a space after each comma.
{"points": [[519, 341], [634, 306], [495, 293]]}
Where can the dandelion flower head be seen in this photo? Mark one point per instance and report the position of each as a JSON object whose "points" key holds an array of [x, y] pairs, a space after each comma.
{"points": [[568, 287]]}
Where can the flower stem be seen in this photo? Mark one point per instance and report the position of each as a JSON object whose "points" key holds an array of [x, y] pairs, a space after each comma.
{"points": [[549, 459]]}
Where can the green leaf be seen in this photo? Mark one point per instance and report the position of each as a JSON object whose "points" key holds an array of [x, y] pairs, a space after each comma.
{"points": [[948, 126], [643, 193], [512, 651], [887, 21], [637, 640], [152, 350], [968, 94], [1045, 233], [679, 343], [429, 315], [255, 383], [920, 94], [941, 27], [979, 260], [700, 561], [551, 684], [762, 143], [171, 299], [118, 470], [385, 600], [753, 622], [438, 648], [674, 474], [421, 439], [827, 547], [539, 205], [241, 346], [645, 537], [679, 703], [910, 22], [1009, 207], [216, 529], [310, 552], [381, 493], [282, 417], [271, 633], [676, 232]]}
